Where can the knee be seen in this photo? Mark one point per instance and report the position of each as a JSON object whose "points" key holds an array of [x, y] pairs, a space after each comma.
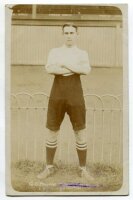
{"points": [[80, 137], [52, 136]]}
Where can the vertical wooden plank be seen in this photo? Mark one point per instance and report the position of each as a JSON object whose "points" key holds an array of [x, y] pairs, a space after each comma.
{"points": [[33, 11], [39, 135], [30, 135], [116, 138], [106, 142], [21, 134], [118, 45], [14, 135], [121, 138], [98, 137], [90, 134], [102, 136]]}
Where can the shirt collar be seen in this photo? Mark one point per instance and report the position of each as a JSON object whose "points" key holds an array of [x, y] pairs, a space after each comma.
{"points": [[73, 47]]}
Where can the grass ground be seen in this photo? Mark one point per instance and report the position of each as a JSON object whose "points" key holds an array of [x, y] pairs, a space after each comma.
{"points": [[66, 179]]}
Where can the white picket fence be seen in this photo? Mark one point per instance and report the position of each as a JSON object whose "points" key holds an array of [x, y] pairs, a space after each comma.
{"points": [[104, 129]]}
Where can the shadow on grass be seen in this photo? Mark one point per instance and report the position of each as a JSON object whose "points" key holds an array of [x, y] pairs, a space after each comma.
{"points": [[66, 179]]}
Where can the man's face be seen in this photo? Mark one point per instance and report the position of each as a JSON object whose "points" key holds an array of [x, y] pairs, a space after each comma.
{"points": [[70, 35]]}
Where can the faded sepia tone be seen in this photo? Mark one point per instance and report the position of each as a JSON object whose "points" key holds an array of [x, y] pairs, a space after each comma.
{"points": [[35, 30]]}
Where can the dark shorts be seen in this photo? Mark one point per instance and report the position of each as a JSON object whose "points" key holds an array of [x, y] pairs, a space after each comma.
{"points": [[66, 97]]}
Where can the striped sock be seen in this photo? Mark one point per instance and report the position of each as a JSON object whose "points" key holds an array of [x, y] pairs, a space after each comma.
{"points": [[50, 151], [82, 153]]}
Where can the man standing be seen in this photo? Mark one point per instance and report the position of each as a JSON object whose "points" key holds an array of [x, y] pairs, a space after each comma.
{"points": [[67, 63]]}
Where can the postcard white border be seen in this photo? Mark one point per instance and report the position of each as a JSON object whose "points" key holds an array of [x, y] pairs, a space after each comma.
{"points": [[2, 80]]}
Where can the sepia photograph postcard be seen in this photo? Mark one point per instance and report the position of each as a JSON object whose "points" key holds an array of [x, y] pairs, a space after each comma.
{"points": [[66, 99]]}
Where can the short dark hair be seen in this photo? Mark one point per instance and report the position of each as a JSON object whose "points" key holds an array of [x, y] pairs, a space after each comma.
{"points": [[69, 24]]}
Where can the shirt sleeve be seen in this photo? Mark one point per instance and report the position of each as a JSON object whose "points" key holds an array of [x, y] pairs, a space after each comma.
{"points": [[84, 63], [51, 59]]}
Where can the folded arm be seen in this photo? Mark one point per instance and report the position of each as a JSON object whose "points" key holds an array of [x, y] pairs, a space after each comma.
{"points": [[83, 67], [56, 69]]}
